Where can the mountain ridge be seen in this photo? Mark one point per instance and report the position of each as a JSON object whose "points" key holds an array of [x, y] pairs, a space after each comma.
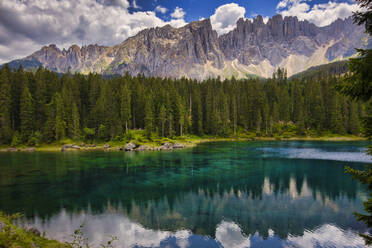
{"points": [[196, 51]]}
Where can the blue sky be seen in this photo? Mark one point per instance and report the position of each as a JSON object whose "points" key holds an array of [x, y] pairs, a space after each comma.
{"points": [[196, 9], [27, 25]]}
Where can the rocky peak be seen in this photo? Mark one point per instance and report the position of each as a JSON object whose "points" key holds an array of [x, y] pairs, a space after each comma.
{"points": [[51, 47], [196, 51]]}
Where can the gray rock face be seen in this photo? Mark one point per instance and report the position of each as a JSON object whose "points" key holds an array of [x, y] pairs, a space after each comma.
{"points": [[253, 42], [196, 51]]}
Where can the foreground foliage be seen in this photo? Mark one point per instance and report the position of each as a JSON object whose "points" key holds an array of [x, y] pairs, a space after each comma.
{"points": [[358, 85], [12, 236], [16, 237]]}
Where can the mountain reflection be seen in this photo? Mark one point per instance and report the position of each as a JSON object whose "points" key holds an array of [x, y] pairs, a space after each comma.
{"points": [[198, 190]]}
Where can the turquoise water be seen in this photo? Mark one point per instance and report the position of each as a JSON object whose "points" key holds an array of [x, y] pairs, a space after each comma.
{"points": [[225, 194]]}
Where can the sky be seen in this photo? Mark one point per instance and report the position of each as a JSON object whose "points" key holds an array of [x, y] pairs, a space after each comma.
{"points": [[27, 25]]}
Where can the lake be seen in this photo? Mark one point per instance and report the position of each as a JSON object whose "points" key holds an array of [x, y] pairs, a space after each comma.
{"points": [[218, 194]]}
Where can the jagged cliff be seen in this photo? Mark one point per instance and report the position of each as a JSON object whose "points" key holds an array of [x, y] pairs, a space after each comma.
{"points": [[196, 51]]}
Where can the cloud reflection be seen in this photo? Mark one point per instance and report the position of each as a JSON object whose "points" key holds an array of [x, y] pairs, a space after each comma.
{"points": [[228, 234]]}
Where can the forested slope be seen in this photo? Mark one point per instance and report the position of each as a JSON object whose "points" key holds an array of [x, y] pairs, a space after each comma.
{"points": [[46, 107]]}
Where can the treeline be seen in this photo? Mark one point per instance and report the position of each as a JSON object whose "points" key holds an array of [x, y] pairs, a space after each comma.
{"points": [[43, 106]]}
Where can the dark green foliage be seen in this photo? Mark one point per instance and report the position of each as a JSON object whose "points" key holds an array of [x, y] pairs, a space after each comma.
{"points": [[5, 106], [42, 107], [365, 177], [358, 85], [149, 119], [331, 69], [26, 114], [60, 123], [125, 101], [75, 122]]}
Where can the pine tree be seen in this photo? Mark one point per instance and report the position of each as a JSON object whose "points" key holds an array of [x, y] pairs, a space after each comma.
{"points": [[49, 129], [266, 117], [75, 122], [225, 116], [162, 118], [125, 106], [60, 123], [170, 125], [40, 99], [5, 106], [358, 85], [234, 114], [259, 123], [26, 114], [354, 126], [197, 113], [336, 121], [148, 119], [180, 115], [19, 79]]}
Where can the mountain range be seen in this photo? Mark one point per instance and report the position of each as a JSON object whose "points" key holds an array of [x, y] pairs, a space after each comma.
{"points": [[197, 51]]}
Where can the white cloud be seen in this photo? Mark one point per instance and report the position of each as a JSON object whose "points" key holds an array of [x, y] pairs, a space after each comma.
{"points": [[161, 9], [178, 13], [25, 26], [135, 6], [327, 235], [319, 14], [225, 17], [229, 234], [177, 23]]}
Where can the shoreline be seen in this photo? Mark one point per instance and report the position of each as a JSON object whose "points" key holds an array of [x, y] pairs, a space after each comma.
{"points": [[172, 144]]}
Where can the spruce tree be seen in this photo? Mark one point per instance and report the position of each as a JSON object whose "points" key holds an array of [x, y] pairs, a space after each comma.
{"points": [[149, 119], [358, 85], [163, 119], [197, 113], [75, 122], [5, 106], [26, 114], [60, 123], [125, 106]]}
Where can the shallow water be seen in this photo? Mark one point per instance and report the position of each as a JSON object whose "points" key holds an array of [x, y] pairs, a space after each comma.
{"points": [[225, 194]]}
